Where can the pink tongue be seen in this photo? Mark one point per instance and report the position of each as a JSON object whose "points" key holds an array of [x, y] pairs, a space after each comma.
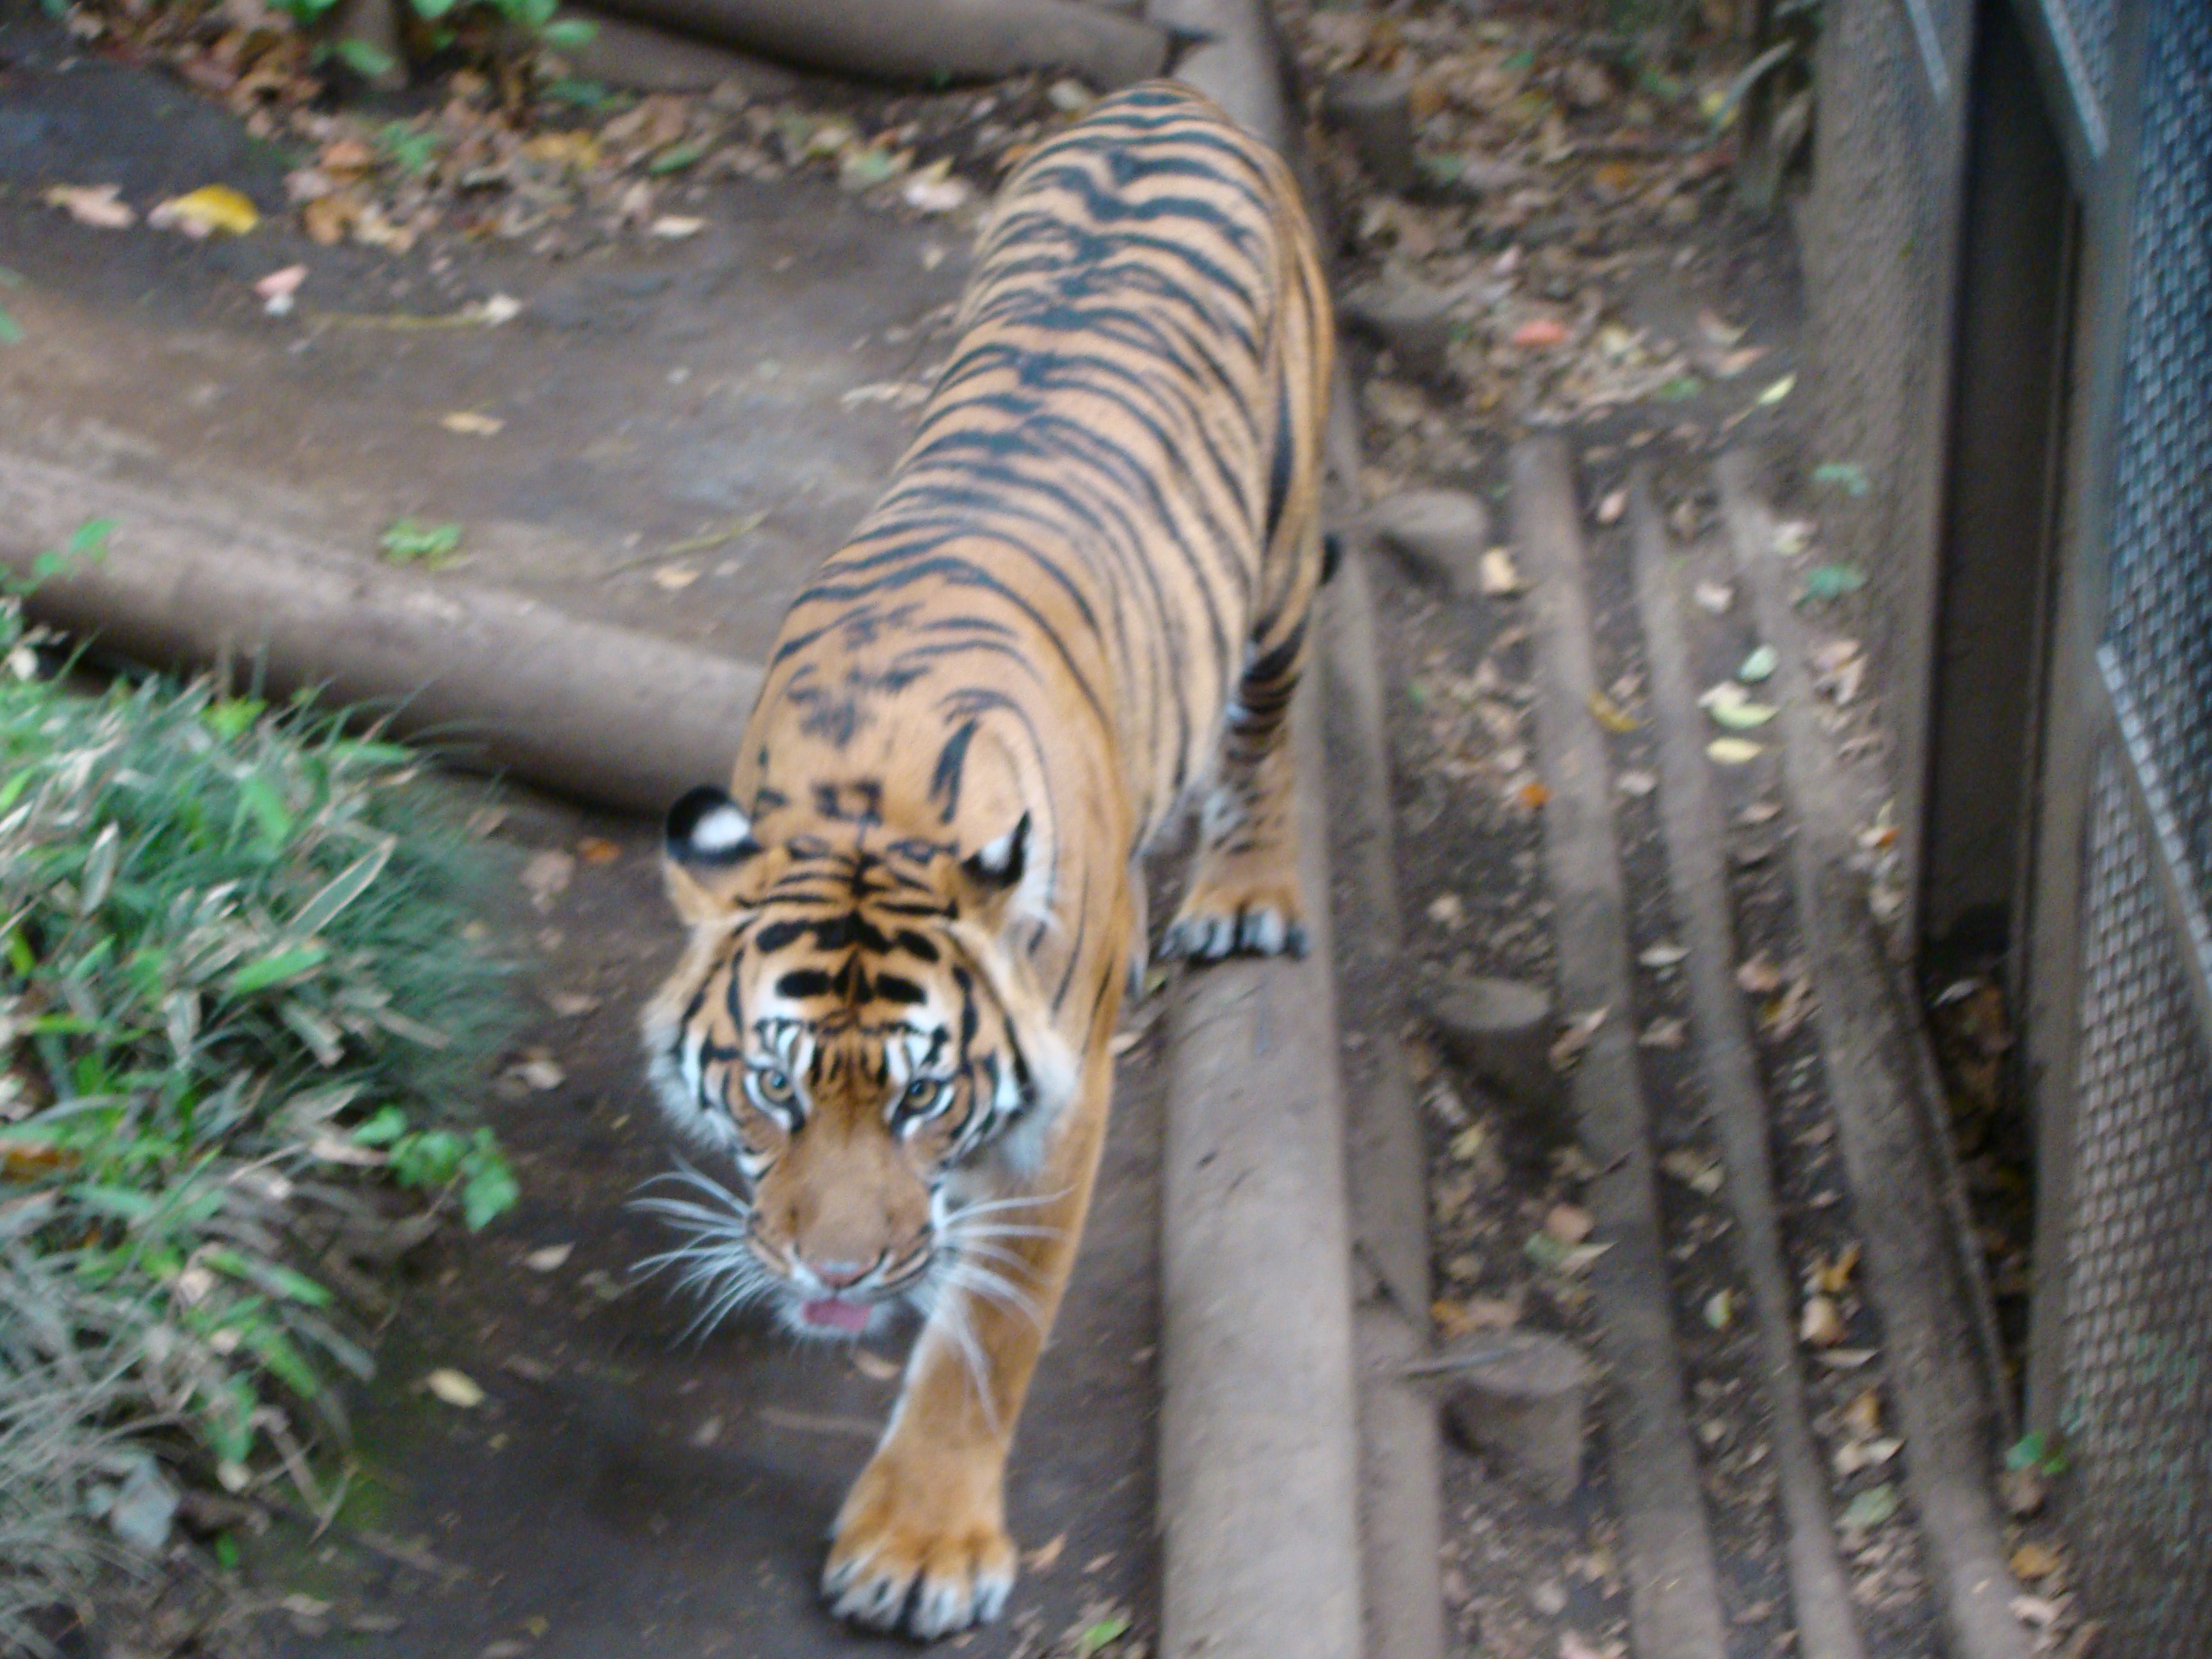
{"points": [[838, 1316]]}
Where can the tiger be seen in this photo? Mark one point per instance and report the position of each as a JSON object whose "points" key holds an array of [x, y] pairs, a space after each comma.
{"points": [[1077, 614]]}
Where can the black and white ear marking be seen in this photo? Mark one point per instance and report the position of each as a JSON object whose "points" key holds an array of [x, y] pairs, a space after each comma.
{"points": [[708, 828], [999, 864]]}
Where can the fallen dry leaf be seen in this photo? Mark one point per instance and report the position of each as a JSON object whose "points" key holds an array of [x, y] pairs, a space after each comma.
{"points": [[454, 1388], [550, 1259], [1714, 329], [1610, 715], [202, 212], [470, 424], [1759, 976], [1834, 1278], [1700, 1172], [1540, 332], [547, 876], [2038, 1612], [1665, 1032], [1733, 751], [940, 194], [1446, 910], [97, 205], [540, 1072], [1822, 1326], [1782, 1016], [1568, 1223], [1532, 796], [1636, 783], [279, 288], [1575, 1036], [2031, 1561], [1500, 579], [1714, 597], [1862, 1417], [1611, 506], [675, 578], [1042, 1557], [1662, 956], [1574, 1646], [1476, 1313]]}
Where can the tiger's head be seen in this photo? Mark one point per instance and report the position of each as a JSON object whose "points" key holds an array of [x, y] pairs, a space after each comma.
{"points": [[850, 1028]]}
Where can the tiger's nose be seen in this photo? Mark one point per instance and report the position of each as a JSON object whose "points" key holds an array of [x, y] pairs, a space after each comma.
{"points": [[836, 1275]]}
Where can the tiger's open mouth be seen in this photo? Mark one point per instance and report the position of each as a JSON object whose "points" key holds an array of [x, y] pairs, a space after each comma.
{"points": [[835, 1313]]}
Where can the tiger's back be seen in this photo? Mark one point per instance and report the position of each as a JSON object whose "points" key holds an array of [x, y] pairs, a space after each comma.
{"points": [[1083, 595], [1108, 510]]}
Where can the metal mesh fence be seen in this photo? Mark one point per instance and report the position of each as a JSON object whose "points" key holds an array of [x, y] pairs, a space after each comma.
{"points": [[2138, 1341], [2160, 628], [2137, 1334]]}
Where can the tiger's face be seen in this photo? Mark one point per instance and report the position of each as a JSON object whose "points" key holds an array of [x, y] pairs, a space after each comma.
{"points": [[849, 1031]]}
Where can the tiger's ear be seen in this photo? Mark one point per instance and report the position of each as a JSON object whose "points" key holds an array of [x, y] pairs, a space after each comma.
{"points": [[994, 870], [705, 842]]}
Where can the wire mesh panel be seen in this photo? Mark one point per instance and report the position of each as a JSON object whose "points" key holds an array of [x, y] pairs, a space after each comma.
{"points": [[2138, 1340], [2160, 626]]}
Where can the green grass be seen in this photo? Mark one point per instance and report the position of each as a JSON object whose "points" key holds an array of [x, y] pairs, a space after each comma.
{"points": [[242, 1006]]}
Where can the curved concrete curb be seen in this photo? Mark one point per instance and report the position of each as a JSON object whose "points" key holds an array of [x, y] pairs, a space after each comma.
{"points": [[1259, 1440]]}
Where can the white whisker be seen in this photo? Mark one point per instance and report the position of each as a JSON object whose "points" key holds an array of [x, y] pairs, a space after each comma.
{"points": [[971, 1351]]}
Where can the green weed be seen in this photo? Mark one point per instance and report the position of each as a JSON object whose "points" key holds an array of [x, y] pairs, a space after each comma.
{"points": [[240, 1012]]}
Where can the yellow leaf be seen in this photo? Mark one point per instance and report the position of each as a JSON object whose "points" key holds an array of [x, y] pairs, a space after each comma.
{"points": [[471, 424], [1733, 751], [1779, 390], [211, 208], [1610, 715]]}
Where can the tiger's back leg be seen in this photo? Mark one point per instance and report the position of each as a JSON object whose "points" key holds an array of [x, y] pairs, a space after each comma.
{"points": [[1243, 897]]}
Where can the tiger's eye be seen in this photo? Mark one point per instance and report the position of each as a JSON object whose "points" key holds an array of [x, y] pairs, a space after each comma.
{"points": [[776, 1086]]}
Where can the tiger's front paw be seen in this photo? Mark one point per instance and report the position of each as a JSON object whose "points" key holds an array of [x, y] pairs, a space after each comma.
{"points": [[920, 1545], [1241, 907]]}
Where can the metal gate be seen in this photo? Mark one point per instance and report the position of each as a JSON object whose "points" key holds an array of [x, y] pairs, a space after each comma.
{"points": [[2118, 956]]}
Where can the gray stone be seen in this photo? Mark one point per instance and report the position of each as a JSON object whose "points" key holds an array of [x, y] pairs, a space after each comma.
{"points": [[1516, 1399], [1502, 1031], [1412, 318], [144, 1507], [1440, 533], [1375, 112]]}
